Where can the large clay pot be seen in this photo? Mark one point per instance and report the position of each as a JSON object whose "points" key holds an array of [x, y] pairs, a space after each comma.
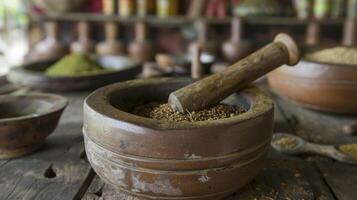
{"points": [[320, 86], [163, 160]]}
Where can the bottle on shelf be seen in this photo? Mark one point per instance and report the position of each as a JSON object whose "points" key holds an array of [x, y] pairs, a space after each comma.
{"points": [[83, 44], [141, 49], [303, 8], [109, 6], [126, 8], [166, 8], [111, 46], [236, 48], [145, 7], [321, 9]]}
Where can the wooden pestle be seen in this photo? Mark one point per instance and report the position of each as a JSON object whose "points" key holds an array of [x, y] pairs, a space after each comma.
{"points": [[349, 32], [213, 89]]}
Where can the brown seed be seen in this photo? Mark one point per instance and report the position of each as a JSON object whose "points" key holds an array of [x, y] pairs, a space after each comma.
{"points": [[162, 111]]}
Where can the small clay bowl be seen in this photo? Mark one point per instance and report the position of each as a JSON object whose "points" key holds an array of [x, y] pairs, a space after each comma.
{"points": [[26, 120], [319, 86], [154, 159]]}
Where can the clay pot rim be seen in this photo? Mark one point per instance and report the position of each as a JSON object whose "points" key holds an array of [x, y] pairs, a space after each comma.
{"points": [[58, 104], [99, 103], [325, 64]]}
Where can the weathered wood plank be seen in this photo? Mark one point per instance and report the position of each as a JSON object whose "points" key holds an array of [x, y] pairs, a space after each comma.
{"points": [[57, 170], [342, 178], [325, 128]]}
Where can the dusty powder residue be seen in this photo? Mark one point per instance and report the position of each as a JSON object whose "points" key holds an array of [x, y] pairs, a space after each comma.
{"points": [[286, 142], [162, 111], [350, 149], [336, 55]]}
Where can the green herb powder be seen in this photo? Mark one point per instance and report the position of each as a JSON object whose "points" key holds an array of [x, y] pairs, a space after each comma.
{"points": [[75, 65]]}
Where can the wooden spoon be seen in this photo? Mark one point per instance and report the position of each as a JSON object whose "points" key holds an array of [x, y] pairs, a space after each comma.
{"points": [[299, 146], [213, 89]]}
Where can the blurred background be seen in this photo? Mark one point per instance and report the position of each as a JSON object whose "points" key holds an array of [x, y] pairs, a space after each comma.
{"points": [[28, 26]]}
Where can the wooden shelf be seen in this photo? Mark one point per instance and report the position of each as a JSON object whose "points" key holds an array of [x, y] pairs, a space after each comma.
{"points": [[176, 20]]}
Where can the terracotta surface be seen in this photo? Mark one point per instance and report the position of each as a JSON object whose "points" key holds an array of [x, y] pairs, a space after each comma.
{"points": [[326, 87], [26, 120], [32, 76], [162, 160]]}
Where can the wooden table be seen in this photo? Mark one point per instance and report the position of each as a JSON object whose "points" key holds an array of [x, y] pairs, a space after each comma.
{"points": [[60, 171]]}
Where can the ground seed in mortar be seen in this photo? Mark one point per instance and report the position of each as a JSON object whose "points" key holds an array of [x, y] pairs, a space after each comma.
{"points": [[336, 55], [350, 149], [162, 111]]}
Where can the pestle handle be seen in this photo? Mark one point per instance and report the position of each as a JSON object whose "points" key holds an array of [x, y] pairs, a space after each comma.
{"points": [[349, 32], [213, 89]]}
